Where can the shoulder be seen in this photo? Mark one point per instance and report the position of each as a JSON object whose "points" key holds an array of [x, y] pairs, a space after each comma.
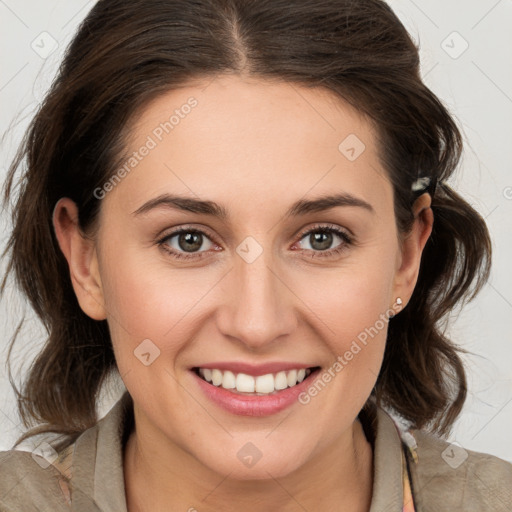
{"points": [[82, 473], [33, 482], [447, 476]]}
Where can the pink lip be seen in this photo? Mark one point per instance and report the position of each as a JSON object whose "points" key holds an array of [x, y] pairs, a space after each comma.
{"points": [[255, 369], [247, 405]]}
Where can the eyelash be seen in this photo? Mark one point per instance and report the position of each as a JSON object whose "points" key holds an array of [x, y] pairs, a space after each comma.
{"points": [[347, 241]]}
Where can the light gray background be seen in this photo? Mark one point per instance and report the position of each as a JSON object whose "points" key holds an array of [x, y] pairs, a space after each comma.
{"points": [[475, 84]]}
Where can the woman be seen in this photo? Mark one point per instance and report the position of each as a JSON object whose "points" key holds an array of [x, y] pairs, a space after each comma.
{"points": [[241, 209]]}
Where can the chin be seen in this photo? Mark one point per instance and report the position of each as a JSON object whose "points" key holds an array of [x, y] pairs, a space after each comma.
{"points": [[248, 462]]}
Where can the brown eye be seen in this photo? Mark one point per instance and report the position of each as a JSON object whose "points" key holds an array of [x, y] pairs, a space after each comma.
{"points": [[319, 241], [190, 242], [186, 243]]}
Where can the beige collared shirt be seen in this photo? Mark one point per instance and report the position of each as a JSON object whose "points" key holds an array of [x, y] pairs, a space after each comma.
{"points": [[413, 471]]}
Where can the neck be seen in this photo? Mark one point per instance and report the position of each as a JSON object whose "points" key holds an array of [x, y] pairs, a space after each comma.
{"points": [[158, 478]]}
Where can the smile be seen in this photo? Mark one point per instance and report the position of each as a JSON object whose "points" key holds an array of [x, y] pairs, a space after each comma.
{"points": [[240, 393], [259, 385]]}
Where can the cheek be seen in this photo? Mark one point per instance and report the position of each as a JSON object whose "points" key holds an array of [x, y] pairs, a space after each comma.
{"points": [[146, 299], [352, 304], [145, 295], [140, 302], [352, 299]]}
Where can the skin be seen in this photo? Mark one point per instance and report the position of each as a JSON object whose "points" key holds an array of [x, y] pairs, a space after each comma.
{"points": [[255, 147]]}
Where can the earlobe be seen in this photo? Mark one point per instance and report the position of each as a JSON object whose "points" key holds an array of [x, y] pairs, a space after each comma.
{"points": [[406, 276], [80, 253]]}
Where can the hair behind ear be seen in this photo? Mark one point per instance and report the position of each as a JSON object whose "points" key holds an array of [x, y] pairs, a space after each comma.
{"points": [[455, 265]]}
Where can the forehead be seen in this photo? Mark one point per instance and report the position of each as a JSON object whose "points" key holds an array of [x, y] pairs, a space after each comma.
{"points": [[260, 140]]}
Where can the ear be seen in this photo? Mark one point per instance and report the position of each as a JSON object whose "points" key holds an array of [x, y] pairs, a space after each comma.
{"points": [[409, 257], [80, 253]]}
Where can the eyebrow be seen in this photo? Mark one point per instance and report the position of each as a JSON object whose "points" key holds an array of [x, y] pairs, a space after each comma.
{"points": [[301, 207]]}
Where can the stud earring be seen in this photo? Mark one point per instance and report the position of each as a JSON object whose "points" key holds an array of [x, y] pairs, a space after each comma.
{"points": [[398, 302]]}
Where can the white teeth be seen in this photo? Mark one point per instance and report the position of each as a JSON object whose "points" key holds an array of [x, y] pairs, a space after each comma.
{"points": [[216, 377], [265, 383], [245, 383], [229, 380], [292, 378], [262, 384], [281, 382]]}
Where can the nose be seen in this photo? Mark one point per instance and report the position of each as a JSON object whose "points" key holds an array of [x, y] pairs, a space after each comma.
{"points": [[260, 308]]}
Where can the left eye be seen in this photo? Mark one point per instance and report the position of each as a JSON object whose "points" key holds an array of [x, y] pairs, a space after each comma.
{"points": [[322, 239]]}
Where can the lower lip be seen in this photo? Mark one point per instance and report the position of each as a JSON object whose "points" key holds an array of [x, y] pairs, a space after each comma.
{"points": [[247, 405]]}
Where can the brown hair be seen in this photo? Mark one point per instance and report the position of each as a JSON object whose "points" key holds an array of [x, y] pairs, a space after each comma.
{"points": [[125, 53]]}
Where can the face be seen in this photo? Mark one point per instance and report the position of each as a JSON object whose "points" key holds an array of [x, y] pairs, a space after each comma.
{"points": [[261, 280]]}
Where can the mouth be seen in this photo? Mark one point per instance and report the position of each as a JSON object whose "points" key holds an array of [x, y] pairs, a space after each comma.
{"points": [[261, 385]]}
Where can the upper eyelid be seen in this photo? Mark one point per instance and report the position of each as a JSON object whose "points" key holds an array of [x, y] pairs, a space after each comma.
{"points": [[326, 227]]}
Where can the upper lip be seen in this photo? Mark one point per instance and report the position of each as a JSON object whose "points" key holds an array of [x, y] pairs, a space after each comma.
{"points": [[255, 369]]}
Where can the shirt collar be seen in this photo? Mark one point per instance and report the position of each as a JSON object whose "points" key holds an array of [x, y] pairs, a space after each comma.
{"points": [[384, 434], [97, 479], [97, 470]]}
